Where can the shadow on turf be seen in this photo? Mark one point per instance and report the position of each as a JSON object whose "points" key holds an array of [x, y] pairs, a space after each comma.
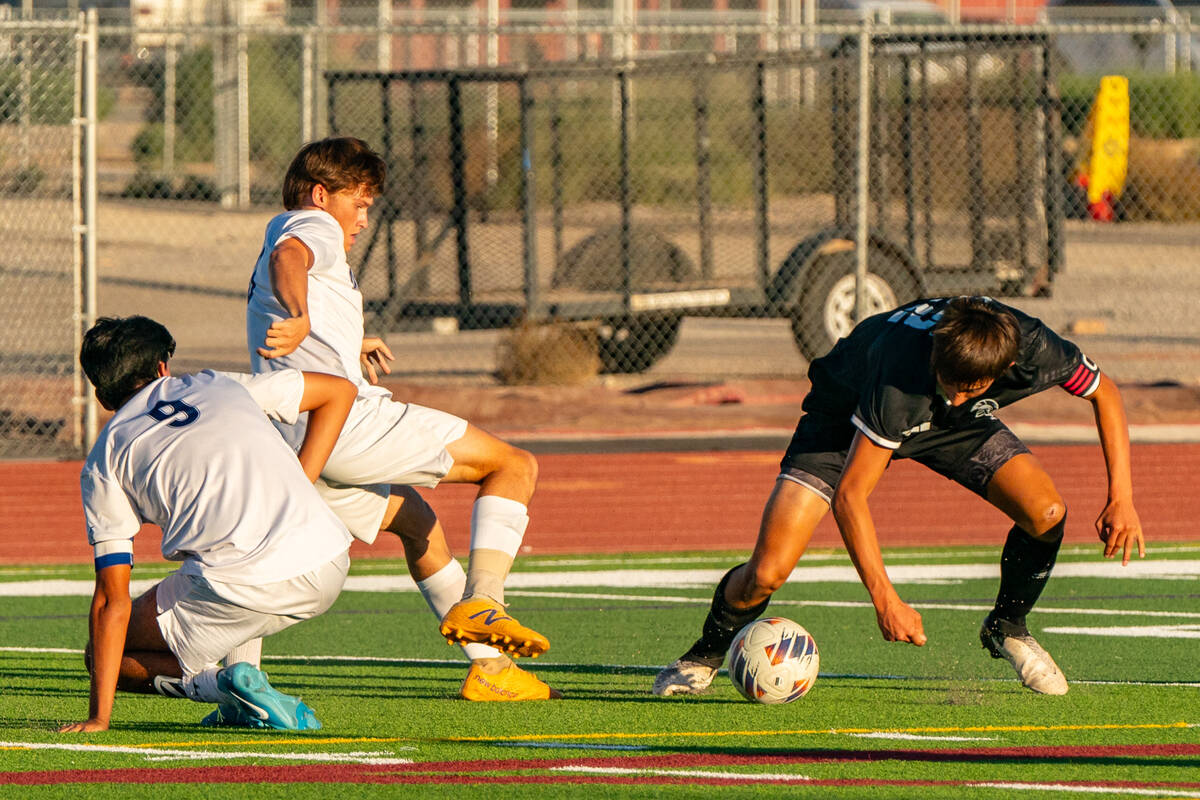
{"points": [[954, 756]]}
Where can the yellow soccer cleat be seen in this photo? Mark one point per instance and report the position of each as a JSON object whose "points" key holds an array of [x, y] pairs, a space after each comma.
{"points": [[510, 684], [485, 621]]}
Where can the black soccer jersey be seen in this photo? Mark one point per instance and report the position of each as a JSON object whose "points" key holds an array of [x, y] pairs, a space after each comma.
{"points": [[879, 376]]}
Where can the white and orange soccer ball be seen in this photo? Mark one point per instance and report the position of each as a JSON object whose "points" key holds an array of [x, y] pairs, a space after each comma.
{"points": [[773, 661]]}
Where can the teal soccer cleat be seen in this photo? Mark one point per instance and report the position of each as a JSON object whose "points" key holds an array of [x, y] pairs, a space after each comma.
{"points": [[231, 715], [254, 703]]}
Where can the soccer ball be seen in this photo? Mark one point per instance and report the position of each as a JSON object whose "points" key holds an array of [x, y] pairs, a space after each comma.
{"points": [[773, 660]]}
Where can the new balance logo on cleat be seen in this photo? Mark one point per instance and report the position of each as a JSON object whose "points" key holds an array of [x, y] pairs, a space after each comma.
{"points": [[510, 684], [492, 616], [483, 621]]}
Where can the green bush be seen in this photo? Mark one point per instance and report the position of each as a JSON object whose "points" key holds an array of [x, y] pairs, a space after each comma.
{"points": [[52, 96], [274, 86], [1160, 106]]}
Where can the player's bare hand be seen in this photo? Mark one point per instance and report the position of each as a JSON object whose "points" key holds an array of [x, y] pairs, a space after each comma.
{"points": [[90, 726], [375, 357], [900, 622], [284, 336], [1120, 528]]}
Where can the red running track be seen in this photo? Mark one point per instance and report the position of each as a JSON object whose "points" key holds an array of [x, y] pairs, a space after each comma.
{"points": [[638, 502]]}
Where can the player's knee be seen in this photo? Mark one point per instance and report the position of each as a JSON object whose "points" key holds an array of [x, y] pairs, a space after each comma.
{"points": [[415, 519], [766, 578], [1049, 518], [520, 465], [525, 462]]}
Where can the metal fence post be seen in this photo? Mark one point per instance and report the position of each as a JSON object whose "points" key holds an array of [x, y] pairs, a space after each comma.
{"points": [[1185, 42], [88, 208], [224, 143], [307, 110], [25, 54], [321, 63], [384, 34], [862, 172], [533, 296], [492, 97], [169, 90], [243, 113]]}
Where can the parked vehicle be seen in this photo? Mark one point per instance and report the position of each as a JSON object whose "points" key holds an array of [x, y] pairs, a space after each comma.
{"points": [[624, 196]]}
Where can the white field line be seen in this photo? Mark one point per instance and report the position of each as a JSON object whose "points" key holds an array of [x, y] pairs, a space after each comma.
{"points": [[648, 668], [899, 555], [936, 556], [653, 598], [1151, 631], [690, 578], [759, 777], [1090, 788], [164, 754], [913, 737], [756, 777]]}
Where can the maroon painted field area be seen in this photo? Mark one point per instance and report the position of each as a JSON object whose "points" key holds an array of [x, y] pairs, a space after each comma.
{"points": [[632, 502], [630, 769]]}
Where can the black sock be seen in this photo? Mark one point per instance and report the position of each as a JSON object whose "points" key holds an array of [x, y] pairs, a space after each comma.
{"points": [[1025, 567], [722, 624]]}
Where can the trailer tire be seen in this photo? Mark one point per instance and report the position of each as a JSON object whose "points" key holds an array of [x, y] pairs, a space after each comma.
{"points": [[594, 264], [824, 312]]}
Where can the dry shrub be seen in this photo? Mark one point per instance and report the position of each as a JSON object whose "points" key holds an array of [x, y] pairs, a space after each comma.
{"points": [[547, 353], [1163, 182]]}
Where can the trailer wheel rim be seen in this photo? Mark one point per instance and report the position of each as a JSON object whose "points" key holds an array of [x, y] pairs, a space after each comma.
{"points": [[839, 303]]}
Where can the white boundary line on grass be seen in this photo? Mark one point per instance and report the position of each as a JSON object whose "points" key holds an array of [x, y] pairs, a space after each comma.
{"points": [[752, 777], [165, 754], [1165, 569]]}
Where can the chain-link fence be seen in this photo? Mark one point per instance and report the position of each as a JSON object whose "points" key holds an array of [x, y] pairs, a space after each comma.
{"points": [[40, 271], [534, 177], [628, 195]]}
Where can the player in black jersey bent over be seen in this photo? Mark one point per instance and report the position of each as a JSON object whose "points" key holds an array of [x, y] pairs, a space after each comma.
{"points": [[921, 382]]}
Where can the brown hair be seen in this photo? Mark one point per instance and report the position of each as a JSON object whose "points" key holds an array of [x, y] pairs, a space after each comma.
{"points": [[337, 163], [975, 341]]}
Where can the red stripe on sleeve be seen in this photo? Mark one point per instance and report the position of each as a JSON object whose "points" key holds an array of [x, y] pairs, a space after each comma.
{"points": [[1080, 380]]}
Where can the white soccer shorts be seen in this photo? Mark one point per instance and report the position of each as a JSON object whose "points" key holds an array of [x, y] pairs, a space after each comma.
{"points": [[202, 620], [385, 443]]}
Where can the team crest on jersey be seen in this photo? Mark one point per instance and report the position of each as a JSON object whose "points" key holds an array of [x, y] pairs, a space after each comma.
{"points": [[984, 408]]}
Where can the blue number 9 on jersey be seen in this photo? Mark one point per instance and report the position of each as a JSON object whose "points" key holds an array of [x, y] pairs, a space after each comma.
{"points": [[773, 660]]}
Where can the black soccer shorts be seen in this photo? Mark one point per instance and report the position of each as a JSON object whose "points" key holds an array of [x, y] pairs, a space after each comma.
{"points": [[968, 456]]}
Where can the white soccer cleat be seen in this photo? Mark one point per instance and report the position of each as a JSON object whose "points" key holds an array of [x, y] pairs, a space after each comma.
{"points": [[1033, 664], [685, 676]]}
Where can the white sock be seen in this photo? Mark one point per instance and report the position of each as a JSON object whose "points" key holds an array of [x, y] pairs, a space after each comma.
{"points": [[441, 591], [202, 687], [497, 528], [250, 652], [498, 523]]}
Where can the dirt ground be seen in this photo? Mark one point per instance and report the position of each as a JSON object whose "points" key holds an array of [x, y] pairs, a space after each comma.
{"points": [[629, 406]]}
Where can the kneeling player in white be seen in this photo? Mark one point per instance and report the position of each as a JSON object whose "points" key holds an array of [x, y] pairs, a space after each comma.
{"points": [[305, 311], [261, 551]]}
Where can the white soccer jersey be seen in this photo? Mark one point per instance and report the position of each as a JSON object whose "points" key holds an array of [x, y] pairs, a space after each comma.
{"points": [[335, 305], [197, 456]]}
